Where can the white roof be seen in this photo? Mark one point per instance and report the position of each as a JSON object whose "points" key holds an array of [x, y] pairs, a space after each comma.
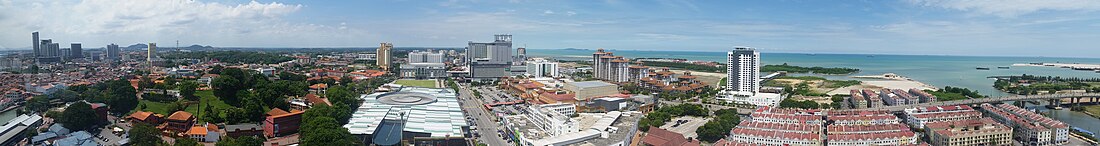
{"points": [[440, 118]]}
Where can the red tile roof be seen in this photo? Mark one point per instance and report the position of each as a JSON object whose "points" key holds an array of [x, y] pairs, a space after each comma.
{"points": [[180, 116], [661, 137]]}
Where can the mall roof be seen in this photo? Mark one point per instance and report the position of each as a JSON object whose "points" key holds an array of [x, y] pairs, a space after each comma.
{"points": [[440, 118]]}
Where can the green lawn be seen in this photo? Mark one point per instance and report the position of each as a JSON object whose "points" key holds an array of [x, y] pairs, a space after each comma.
{"points": [[206, 97], [417, 83], [1094, 109]]}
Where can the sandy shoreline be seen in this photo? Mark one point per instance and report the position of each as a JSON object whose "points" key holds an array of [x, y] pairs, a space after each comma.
{"points": [[893, 81]]}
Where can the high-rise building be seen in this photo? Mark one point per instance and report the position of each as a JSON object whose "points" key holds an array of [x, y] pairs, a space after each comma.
{"points": [[743, 71], [521, 56], [425, 57], [75, 51], [36, 44], [385, 56], [113, 52], [490, 60], [152, 52], [608, 67], [542, 68]]}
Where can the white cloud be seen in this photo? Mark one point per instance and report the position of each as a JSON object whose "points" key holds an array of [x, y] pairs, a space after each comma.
{"points": [[1011, 8], [98, 22], [548, 12]]}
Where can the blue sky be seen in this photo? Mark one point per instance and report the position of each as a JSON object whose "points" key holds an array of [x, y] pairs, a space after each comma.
{"points": [[1066, 28]]}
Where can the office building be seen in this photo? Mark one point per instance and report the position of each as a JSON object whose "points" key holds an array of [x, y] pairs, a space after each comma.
{"points": [[113, 52], [542, 68], [385, 56], [970, 132], [425, 57], [608, 67], [424, 116], [151, 53], [1028, 127], [423, 70], [743, 71], [75, 51], [36, 44], [490, 60], [919, 117]]}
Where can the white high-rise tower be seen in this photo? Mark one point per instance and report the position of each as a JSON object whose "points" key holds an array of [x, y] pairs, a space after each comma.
{"points": [[743, 71]]}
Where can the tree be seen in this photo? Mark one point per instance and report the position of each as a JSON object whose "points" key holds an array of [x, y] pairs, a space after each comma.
{"points": [[121, 96], [176, 106], [235, 115], [325, 131], [187, 90], [78, 116], [226, 87], [145, 135], [186, 142], [254, 110], [210, 115], [38, 103]]}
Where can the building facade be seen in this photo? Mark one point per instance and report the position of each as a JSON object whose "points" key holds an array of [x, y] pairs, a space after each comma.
{"points": [[971, 132], [542, 68], [385, 56], [743, 71], [1028, 127], [425, 57], [608, 67], [490, 60]]}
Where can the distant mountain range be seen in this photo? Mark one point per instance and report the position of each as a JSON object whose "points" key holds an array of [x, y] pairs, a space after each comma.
{"points": [[141, 46]]}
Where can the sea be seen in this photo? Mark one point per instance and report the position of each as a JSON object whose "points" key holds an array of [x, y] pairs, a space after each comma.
{"points": [[935, 70]]}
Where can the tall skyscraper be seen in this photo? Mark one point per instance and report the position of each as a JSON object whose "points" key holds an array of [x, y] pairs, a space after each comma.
{"points": [[152, 53], [37, 44], [542, 68], [75, 51], [113, 53], [490, 60], [743, 71], [385, 56]]}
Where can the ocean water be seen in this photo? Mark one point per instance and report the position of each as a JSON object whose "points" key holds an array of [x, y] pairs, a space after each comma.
{"points": [[939, 71]]}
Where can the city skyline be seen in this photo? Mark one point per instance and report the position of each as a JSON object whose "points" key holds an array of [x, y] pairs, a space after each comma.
{"points": [[925, 27]]}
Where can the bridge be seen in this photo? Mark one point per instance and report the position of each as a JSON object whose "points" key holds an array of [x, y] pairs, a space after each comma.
{"points": [[1054, 97]]}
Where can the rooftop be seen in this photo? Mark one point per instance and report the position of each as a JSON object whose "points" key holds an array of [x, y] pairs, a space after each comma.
{"points": [[590, 84], [439, 117]]}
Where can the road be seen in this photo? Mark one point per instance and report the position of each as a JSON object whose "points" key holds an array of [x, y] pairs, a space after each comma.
{"points": [[486, 128]]}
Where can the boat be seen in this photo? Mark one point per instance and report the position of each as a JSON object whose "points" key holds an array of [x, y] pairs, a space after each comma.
{"points": [[1002, 67], [982, 68]]}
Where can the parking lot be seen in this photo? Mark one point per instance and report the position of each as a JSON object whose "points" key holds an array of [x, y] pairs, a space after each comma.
{"points": [[687, 126]]}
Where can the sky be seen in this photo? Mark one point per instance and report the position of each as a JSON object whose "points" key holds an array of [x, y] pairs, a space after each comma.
{"points": [[1053, 28]]}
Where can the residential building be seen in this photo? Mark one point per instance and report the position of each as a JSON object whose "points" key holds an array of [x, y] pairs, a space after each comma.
{"points": [[608, 67], [873, 99], [282, 124], [180, 121], [860, 128], [425, 57], [918, 117], [36, 44], [542, 68], [591, 89], [113, 52], [743, 71], [1028, 127], [151, 53], [769, 126], [637, 72], [667, 81], [856, 99], [924, 96], [969, 132], [490, 61], [385, 56]]}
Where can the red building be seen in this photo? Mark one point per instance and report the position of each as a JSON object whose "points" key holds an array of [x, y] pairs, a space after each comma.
{"points": [[180, 121], [282, 125], [145, 117], [100, 111]]}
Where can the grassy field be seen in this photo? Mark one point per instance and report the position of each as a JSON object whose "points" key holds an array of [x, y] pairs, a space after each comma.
{"points": [[206, 97], [1094, 109], [417, 83]]}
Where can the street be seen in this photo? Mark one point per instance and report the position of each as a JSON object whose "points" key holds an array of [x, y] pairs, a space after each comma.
{"points": [[487, 130]]}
